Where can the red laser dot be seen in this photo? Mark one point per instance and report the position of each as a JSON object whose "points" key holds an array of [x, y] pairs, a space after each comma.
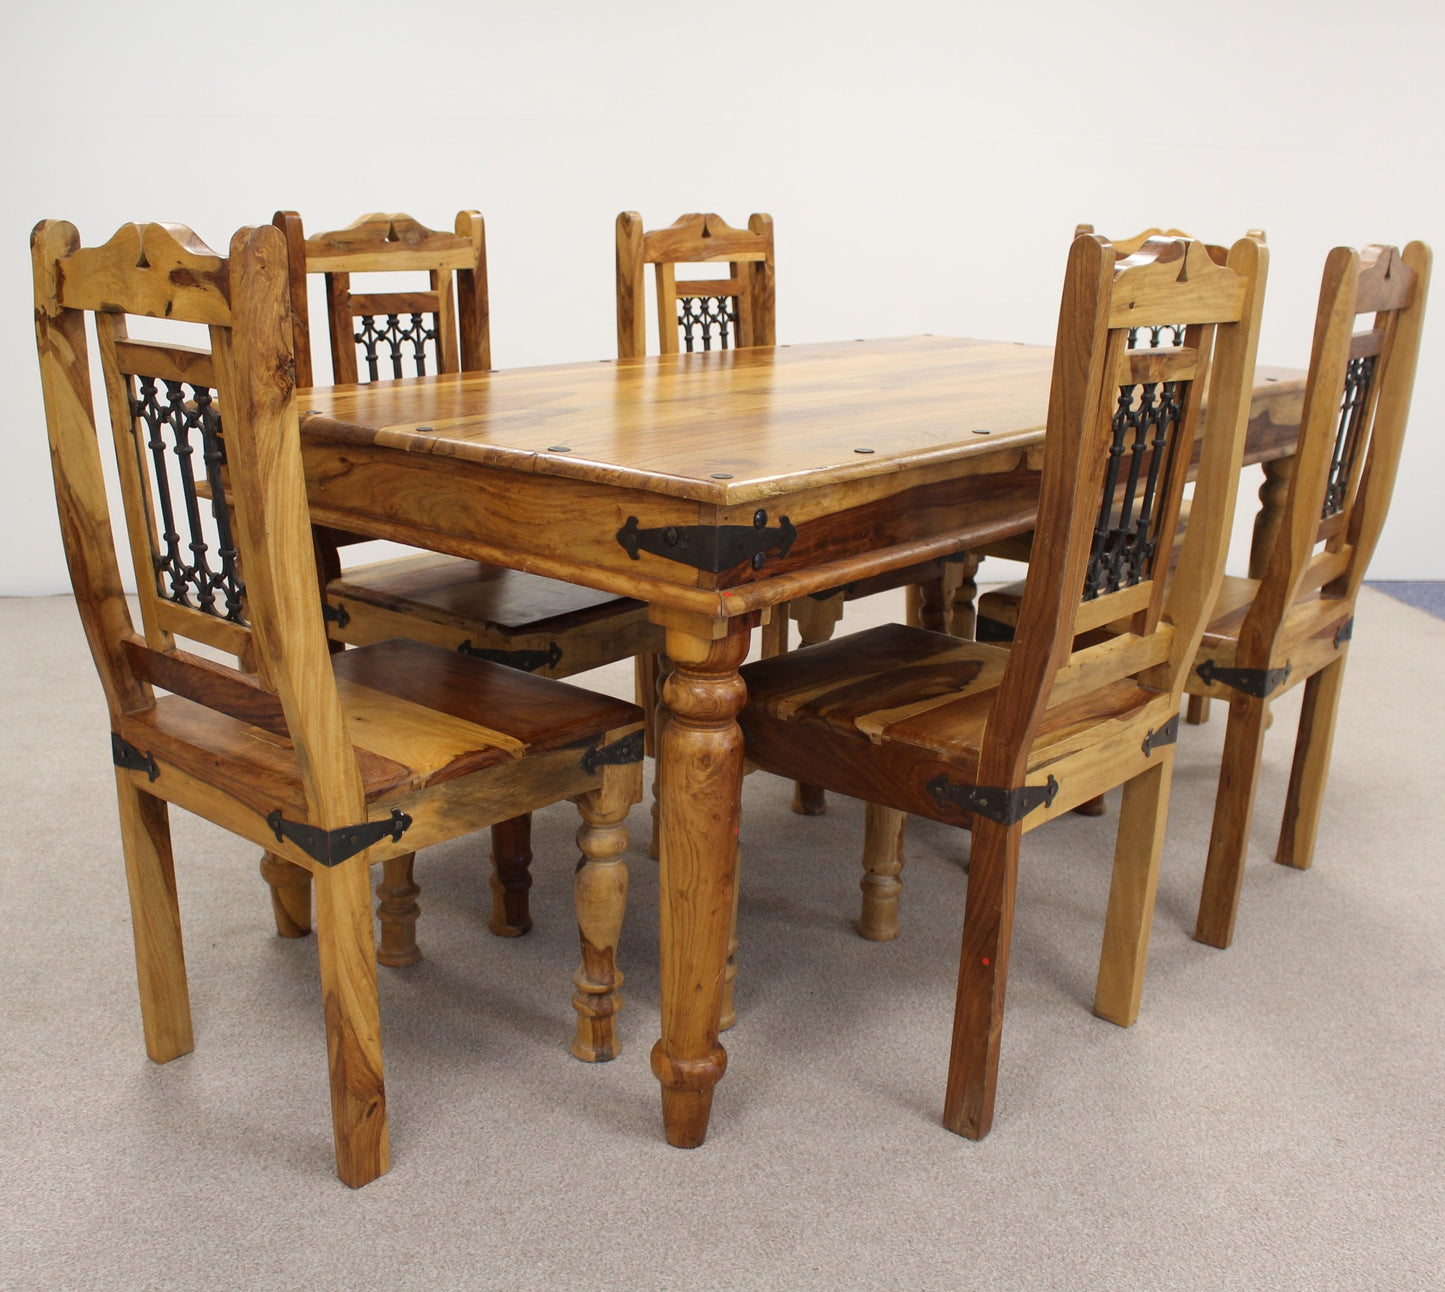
{"points": [[985, 962]]}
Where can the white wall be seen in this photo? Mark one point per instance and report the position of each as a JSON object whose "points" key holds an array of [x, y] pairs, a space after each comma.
{"points": [[925, 160]]}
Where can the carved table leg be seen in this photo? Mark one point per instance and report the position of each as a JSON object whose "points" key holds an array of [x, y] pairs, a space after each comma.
{"points": [[511, 877], [729, 1014], [290, 894], [702, 757], [396, 909], [882, 862], [600, 889], [816, 618]]}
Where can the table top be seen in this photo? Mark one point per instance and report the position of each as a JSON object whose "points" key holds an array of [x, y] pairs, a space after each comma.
{"points": [[727, 427], [853, 457]]}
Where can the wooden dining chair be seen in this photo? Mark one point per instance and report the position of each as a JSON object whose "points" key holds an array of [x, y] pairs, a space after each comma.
{"points": [[1002, 739], [1293, 623], [439, 324], [331, 761], [727, 311]]}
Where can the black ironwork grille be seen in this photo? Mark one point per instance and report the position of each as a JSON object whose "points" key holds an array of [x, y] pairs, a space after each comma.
{"points": [[191, 546], [402, 337], [701, 319], [1155, 336], [1142, 450], [1359, 375]]}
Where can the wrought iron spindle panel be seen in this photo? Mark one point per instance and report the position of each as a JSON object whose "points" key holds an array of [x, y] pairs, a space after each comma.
{"points": [[1142, 451], [1350, 433], [397, 338], [701, 320], [192, 548]]}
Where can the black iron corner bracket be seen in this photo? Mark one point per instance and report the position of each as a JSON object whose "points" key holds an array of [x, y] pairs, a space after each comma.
{"points": [[332, 847], [337, 614], [529, 661], [626, 750], [713, 548], [1258, 682], [124, 754], [1166, 735], [1007, 807]]}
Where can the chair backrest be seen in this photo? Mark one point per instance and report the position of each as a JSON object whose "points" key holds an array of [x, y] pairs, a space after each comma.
{"points": [[218, 526], [442, 327], [1352, 429], [1121, 426], [700, 313]]}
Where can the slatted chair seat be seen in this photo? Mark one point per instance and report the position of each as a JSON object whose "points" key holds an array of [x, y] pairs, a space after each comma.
{"points": [[331, 761], [928, 698], [418, 717], [1001, 739], [539, 625]]}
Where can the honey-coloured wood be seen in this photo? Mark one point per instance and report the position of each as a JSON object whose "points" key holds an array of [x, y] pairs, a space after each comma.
{"points": [[1002, 739], [650, 438], [526, 621], [299, 750], [1290, 621]]}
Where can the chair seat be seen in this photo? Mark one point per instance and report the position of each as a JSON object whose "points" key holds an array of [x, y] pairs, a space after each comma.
{"points": [[925, 698], [1307, 633], [418, 716], [456, 603]]}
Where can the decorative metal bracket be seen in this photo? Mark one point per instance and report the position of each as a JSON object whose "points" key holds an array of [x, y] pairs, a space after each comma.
{"points": [[338, 615], [529, 661], [1166, 735], [619, 752], [332, 847], [713, 548], [124, 754], [1007, 807], [1345, 632], [1258, 682]]}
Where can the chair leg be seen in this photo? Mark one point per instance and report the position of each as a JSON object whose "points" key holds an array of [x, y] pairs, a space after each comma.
{"points": [[1233, 810], [165, 1003], [396, 911], [1137, 849], [882, 863], [647, 673], [1196, 712], [600, 890], [982, 974], [816, 619], [1310, 769], [347, 952], [511, 877], [290, 894], [656, 724]]}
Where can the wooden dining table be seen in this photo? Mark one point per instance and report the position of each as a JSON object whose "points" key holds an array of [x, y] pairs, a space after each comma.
{"points": [[716, 487]]}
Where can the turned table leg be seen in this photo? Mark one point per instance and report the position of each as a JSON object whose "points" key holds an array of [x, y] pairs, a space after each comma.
{"points": [[701, 753]]}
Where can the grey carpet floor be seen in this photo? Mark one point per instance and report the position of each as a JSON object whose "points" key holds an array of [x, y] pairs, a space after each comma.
{"points": [[1276, 1119], [1428, 594]]}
